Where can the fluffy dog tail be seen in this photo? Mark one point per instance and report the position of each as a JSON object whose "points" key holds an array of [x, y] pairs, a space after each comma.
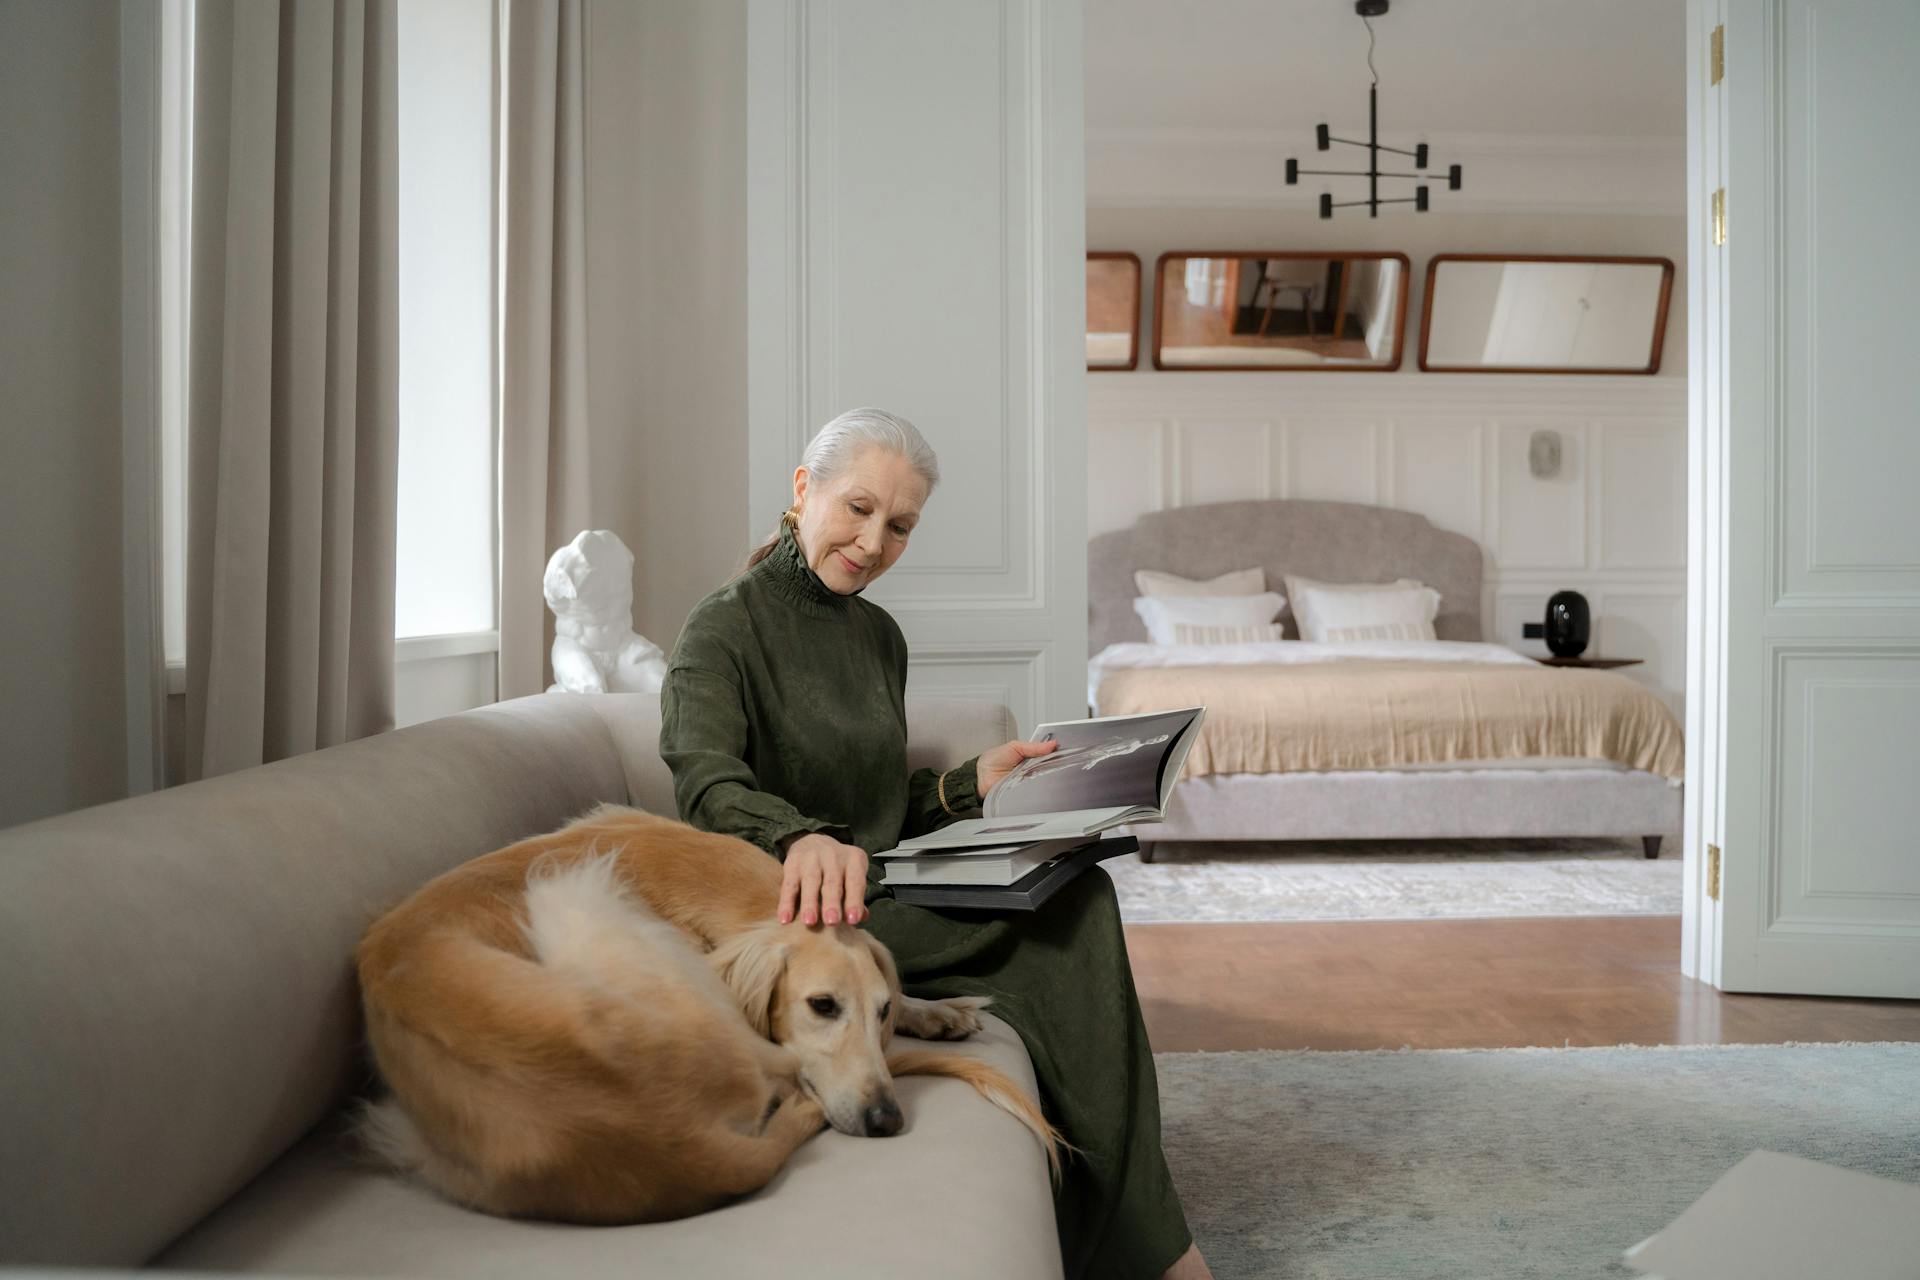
{"points": [[992, 1084]]}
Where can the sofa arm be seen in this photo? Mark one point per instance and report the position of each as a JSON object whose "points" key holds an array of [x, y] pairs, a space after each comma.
{"points": [[941, 732], [179, 1002]]}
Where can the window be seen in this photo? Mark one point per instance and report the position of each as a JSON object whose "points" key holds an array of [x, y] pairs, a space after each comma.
{"points": [[445, 539], [446, 486]]}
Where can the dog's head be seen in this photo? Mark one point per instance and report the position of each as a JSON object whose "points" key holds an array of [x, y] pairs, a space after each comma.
{"points": [[829, 995]]}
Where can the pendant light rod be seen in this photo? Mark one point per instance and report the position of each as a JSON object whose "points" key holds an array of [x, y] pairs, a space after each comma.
{"points": [[1324, 140]]}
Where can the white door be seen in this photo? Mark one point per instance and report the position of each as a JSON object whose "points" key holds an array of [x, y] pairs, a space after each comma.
{"points": [[1806, 604], [916, 226]]}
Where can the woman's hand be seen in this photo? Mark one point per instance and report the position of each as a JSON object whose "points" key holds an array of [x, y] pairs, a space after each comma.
{"points": [[1001, 761], [824, 880]]}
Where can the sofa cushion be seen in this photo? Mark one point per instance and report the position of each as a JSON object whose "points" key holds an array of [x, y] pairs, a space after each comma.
{"points": [[961, 1193], [179, 1000]]}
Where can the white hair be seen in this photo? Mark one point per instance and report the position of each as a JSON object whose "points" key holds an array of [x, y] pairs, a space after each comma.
{"points": [[835, 446]]}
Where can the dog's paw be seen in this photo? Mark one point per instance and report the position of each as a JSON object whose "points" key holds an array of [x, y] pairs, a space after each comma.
{"points": [[954, 1018]]}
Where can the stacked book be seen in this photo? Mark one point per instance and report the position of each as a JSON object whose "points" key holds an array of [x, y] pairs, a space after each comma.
{"points": [[1042, 823]]}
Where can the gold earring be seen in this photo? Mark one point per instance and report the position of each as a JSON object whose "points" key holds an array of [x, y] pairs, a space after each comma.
{"points": [[790, 517]]}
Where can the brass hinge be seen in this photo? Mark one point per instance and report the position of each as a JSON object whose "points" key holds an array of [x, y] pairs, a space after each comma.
{"points": [[1720, 215], [1717, 55], [1713, 872]]}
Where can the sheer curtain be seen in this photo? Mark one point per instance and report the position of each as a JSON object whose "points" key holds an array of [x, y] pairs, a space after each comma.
{"points": [[544, 456], [293, 384]]}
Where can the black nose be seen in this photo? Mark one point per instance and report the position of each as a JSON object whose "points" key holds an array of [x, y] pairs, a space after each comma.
{"points": [[883, 1118]]}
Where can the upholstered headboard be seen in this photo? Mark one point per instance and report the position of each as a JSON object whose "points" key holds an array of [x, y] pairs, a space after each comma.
{"points": [[1331, 541]]}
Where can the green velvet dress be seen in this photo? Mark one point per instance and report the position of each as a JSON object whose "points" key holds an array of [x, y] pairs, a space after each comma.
{"points": [[784, 712]]}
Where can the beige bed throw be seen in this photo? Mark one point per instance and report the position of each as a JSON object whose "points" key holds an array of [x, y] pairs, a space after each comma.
{"points": [[1381, 715]]}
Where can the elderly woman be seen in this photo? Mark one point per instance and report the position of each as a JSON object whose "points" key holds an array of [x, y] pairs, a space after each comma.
{"points": [[783, 720]]}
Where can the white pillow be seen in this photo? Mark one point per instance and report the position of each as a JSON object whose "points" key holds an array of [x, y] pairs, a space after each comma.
{"points": [[1265, 633], [1331, 612], [1161, 612], [1235, 582]]}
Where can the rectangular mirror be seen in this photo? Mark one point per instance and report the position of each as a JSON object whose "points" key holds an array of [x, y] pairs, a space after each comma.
{"points": [[1537, 314], [1113, 310], [1292, 312]]}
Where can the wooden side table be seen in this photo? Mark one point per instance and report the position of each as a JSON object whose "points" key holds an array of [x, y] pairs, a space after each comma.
{"points": [[1598, 664]]}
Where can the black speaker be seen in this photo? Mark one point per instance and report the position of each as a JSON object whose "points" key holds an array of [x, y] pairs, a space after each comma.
{"points": [[1569, 624]]}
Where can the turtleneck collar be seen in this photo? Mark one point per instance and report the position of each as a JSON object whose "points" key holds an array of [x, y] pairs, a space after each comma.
{"points": [[786, 572]]}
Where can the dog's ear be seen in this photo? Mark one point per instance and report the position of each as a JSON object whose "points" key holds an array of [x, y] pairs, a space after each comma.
{"points": [[751, 963], [883, 958]]}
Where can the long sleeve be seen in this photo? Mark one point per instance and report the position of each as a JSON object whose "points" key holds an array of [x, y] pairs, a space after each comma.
{"points": [[924, 813], [703, 739]]}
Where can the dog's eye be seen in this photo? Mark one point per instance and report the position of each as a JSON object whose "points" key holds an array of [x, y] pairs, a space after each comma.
{"points": [[886, 1009], [825, 1006]]}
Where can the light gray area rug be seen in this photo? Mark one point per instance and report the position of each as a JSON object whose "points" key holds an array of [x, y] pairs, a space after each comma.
{"points": [[1513, 1163], [1234, 881]]}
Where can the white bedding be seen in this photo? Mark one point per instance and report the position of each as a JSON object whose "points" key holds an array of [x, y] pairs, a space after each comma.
{"points": [[1132, 654]]}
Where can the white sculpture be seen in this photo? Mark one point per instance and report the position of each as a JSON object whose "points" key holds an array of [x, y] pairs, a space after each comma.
{"points": [[589, 587]]}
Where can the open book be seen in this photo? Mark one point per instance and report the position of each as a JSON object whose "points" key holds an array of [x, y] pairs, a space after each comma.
{"points": [[1105, 772]]}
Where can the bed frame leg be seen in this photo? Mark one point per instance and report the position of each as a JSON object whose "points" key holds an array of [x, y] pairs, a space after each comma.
{"points": [[1146, 851], [1651, 844]]}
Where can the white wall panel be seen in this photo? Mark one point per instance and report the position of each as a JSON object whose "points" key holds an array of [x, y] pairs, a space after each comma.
{"points": [[1134, 475], [1332, 460], [1640, 512], [1223, 461], [1541, 523], [916, 241], [1435, 468]]}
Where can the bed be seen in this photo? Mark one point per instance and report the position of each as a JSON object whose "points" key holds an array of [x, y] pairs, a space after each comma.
{"points": [[1545, 772]]}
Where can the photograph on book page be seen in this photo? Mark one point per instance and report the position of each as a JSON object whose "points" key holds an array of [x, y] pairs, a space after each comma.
{"points": [[1110, 763]]}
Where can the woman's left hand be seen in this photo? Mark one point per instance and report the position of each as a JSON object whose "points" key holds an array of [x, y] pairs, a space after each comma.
{"points": [[1001, 761]]}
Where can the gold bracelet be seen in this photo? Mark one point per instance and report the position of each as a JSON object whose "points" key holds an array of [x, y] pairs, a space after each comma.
{"points": [[942, 788]]}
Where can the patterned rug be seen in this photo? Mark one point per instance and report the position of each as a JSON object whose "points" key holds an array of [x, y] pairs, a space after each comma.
{"points": [[1237, 881], [1517, 1163]]}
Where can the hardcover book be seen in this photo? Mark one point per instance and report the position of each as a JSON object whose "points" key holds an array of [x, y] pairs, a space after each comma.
{"points": [[1105, 772]]}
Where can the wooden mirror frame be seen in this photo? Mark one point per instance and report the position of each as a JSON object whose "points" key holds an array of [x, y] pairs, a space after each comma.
{"points": [[1351, 255], [1659, 320], [1133, 330]]}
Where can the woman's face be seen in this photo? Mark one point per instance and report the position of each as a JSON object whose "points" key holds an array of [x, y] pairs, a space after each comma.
{"points": [[852, 530]]}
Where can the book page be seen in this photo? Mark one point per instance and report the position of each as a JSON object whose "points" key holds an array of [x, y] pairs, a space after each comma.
{"points": [[1108, 763]]}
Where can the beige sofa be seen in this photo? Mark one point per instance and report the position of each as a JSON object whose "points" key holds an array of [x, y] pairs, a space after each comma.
{"points": [[179, 1029]]}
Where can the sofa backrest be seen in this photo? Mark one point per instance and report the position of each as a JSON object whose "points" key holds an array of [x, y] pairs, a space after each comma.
{"points": [[177, 997], [940, 732]]}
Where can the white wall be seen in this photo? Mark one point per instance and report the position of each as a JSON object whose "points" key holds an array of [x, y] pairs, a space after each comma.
{"points": [[1453, 447], [1150, 232], [667, 295], [62, 718]]}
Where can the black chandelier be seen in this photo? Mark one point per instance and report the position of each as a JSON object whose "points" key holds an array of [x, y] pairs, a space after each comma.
{"points": [[1369, 10]]}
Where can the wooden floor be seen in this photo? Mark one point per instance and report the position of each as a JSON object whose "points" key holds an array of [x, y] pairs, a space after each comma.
{"points": [[1434, 984]]}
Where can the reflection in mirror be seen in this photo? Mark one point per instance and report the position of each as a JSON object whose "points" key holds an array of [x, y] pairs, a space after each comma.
{"points": [[1287, 311], [1545, 315], [1113, 310]]}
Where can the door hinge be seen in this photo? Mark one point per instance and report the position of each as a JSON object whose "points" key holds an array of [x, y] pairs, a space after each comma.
{"points": [[1713, 872], [1717, 55], [1720, 215]]}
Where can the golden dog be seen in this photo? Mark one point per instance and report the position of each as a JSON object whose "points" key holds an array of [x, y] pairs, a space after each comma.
{"points": [[561, 1025]]}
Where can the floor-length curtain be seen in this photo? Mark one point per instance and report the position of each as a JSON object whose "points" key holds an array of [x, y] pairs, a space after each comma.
{"points": [[544, 459], [294, 384]]}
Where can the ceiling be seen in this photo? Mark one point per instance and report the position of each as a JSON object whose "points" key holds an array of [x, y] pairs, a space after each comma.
{"points": [[1594, 68]]}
